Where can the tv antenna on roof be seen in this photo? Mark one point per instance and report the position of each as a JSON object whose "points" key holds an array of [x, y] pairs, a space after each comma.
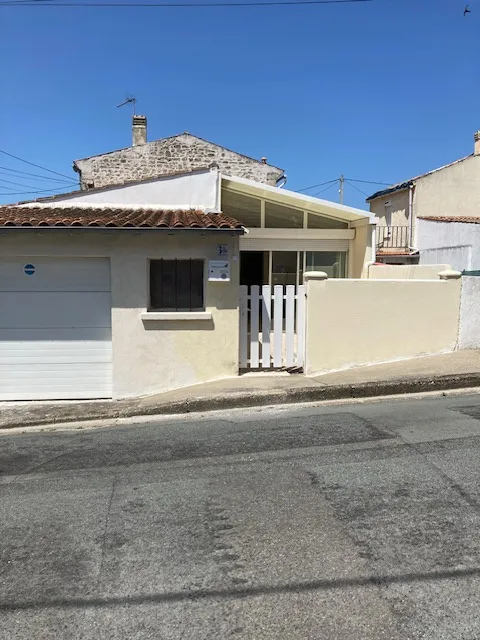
{"points": [[130, 100]]}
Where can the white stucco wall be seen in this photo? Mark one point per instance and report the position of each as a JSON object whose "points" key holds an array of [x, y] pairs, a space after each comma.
{"points": [[151, 356], [451, 191], [398, 207], [456, 243], [406, 271], [399, 214], [197, 190], [361, 251], [359, 322], [469, 334]]}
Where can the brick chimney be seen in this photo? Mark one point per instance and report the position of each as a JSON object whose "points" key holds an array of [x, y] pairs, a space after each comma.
{"points": [[139, 130], [476, 137]]}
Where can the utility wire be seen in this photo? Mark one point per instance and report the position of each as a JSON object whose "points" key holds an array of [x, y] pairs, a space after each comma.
{"points": [[39, 166], [254, 3], [355, 187], [385, 184], [322, 190], [24, 193], [313, 186], [33, 175], [20, 184]]}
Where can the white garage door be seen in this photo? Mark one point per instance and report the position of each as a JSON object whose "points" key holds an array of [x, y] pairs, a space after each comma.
{"points": [[55, 328]]}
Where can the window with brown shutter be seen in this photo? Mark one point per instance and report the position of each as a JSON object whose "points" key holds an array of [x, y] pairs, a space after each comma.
{"points": [[176, 285]]}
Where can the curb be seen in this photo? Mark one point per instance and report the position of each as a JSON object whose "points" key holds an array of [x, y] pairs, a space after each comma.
{"points": [[247, 399]]}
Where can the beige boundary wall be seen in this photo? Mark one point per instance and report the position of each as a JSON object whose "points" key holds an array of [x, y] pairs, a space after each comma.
{"points": [[359, 322], [151, 353], [406, 271]]}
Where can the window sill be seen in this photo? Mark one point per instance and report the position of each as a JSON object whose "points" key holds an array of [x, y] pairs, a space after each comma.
{"points": [[176, 315]]}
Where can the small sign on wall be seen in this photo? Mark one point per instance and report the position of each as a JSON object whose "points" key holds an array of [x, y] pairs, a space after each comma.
{"points": [[219, 270], [222, 250]]}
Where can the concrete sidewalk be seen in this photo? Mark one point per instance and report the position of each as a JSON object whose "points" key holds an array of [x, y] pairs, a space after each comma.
{"points": [[460, 369]]}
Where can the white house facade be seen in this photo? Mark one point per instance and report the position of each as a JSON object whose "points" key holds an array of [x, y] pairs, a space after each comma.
{"points": [[132, 290]]}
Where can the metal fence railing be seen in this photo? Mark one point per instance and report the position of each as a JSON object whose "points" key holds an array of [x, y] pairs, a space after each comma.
{"points": [[396, 237]]}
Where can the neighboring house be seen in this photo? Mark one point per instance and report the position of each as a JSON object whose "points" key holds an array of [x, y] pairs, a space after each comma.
{"points": [[452, 190], [454, 240], [176, 154], [129, 290]]}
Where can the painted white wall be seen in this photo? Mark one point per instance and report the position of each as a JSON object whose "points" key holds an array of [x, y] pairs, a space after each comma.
{"points": [[451, 191], [469, 333], [359, 322], [406, 271], [396, 209], [455, 243], [151, 356], [198, 190]]}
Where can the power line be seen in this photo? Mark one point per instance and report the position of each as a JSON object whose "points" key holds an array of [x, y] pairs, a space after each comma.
{"points": [[25, 193], [20, 184], [253, 3], [33, 175], [313, 186], [385, 184], [39, 166], [323, 190], [355, 187]]}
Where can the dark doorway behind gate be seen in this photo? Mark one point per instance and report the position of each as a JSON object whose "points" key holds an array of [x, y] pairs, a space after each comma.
{"points": [[253, 268]]}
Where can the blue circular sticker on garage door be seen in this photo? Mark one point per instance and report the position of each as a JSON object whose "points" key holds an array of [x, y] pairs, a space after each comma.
{"points": [[29, 269]]}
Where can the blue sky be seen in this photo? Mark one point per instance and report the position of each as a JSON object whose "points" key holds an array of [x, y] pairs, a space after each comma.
{"points": [[377, 91]]}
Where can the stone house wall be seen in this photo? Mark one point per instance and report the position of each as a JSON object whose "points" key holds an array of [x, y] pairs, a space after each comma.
{"points": [[170, 155]]}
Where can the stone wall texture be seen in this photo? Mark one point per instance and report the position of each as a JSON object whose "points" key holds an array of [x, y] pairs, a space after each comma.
{"points": [[170, 155]]}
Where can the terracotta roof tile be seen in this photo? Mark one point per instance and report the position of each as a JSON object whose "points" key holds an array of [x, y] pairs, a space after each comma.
{"points": [[468, 219], [116, 218]]}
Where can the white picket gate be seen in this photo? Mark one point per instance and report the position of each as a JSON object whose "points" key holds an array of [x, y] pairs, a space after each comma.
{"points": [[272, 337]]}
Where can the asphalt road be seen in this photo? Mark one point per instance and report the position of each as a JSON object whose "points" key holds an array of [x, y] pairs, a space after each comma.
{"points": [[359, 521]]}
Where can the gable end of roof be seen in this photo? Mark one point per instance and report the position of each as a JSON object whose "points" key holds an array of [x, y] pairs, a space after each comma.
{"points": [[179, 135]]}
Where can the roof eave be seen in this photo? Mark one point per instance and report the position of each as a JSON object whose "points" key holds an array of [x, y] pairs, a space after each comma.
{"points": [[386, 192], [293, 198], [240, 231]]}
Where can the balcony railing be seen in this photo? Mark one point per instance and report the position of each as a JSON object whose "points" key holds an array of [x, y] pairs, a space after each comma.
{"points": [[393, 237]]}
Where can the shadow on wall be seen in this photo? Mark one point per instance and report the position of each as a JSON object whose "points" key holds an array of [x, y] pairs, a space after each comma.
{"points": [[179, 325], [226, 298]]}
